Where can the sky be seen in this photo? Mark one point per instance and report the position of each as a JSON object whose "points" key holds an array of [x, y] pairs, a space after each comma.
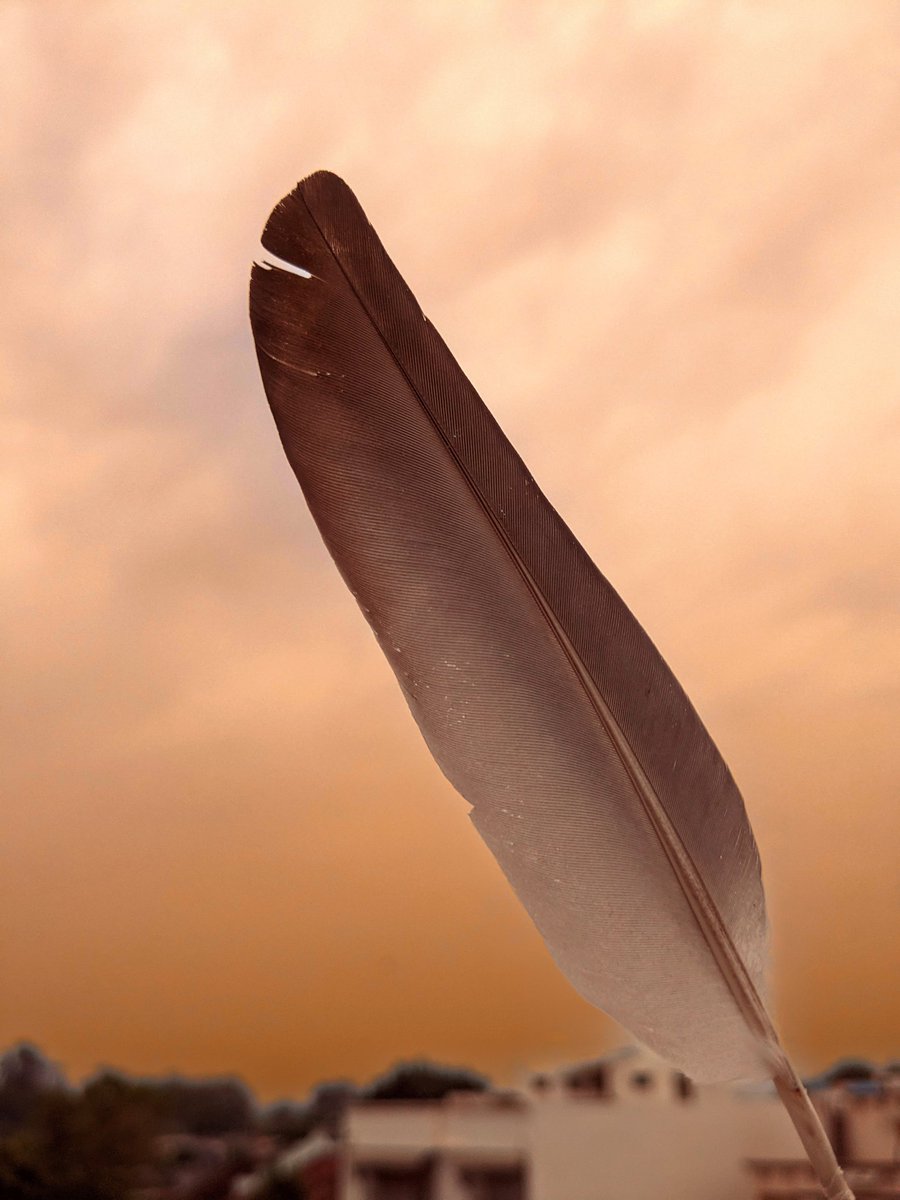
{"points": [[663, 240]]}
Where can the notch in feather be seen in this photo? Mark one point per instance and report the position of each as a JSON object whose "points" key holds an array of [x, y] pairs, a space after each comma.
{"points": [[589, 774]]}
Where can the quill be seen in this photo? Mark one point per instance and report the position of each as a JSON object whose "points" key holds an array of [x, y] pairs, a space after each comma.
{"points": [[591, 777]]}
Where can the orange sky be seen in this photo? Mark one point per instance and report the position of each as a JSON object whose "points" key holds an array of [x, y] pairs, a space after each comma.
{"points": [[663, 240]]}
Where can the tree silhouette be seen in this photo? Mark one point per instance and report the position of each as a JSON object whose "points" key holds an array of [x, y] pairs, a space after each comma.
{"points": [[424, 1081], [26, 1075], [89, 1145]]}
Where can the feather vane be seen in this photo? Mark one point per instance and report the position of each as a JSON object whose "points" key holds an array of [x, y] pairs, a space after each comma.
{"points": [[589, 774]]}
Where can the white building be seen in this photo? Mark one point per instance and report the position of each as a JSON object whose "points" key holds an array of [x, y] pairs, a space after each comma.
{"points": [[625, 1127]]}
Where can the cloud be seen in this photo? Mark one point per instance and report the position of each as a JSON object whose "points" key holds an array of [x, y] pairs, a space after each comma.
{"points": [[662, 241]]}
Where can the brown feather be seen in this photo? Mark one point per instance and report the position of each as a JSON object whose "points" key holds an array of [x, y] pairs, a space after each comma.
{"points": [[591, 777]]}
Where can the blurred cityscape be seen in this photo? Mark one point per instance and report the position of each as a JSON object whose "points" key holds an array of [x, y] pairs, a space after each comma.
{"points": [[624, 1127]]}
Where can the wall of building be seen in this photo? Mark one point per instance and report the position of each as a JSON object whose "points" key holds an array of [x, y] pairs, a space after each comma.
{"points": [[871, 1127], [693, 1150], [463, 1131]]}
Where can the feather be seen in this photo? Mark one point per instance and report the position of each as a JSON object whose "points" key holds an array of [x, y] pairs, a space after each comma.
{"points": [[589, 774]]}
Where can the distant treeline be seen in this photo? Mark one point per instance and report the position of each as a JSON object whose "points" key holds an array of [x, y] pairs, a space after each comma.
{"points": [[115, 1134]]}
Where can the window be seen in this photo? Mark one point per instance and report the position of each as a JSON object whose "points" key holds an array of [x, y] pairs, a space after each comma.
{"points": [[493, 1183], [397, 1183], [588, 1081]]}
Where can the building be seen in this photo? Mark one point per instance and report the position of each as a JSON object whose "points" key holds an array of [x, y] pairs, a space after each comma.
{"points": [[626, 1127], [470, 1146], [860, 1109]]}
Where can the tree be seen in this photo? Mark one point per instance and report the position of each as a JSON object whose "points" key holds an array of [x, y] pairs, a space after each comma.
{"points": [[287, 1121], [207, 1106], [291, 1122], [89, 1145], [424, 1081], [25, 1076]]}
